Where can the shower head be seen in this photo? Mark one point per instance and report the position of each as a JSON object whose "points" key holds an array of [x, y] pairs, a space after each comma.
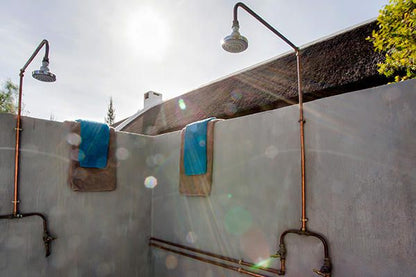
{"points": [[235, 43], [43, 74]]}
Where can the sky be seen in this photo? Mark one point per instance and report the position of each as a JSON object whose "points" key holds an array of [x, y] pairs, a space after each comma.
{"points": [[122, 49]]}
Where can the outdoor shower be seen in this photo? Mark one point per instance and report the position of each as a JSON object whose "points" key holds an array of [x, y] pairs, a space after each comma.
{"points": [[44, 75], [236, 43]]}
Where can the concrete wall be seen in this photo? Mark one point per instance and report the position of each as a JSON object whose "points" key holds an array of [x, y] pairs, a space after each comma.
{"points": [[361, 195], [361, 191], [99, 234]]}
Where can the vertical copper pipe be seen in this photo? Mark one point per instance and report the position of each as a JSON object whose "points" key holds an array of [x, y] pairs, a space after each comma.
{"points": [[47, 238], [302, 142], [17, 147], [300, 95], [326, 268], [283, 265], [18, 124]]}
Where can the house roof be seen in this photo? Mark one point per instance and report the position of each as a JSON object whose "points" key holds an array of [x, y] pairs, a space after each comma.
{"points": [[338, 64]]}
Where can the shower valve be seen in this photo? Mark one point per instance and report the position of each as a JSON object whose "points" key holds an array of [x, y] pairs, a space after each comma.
{"points": [[322, 273], [281, 253]]}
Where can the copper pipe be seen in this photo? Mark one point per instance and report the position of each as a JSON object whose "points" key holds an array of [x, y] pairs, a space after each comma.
{"points": [[308, 234], [221, 257], [326, 268], [262, 21], [283, 265], [302, 142], [300, 96], [18, 123], [17, 147], [227, 266], [47, 238]]}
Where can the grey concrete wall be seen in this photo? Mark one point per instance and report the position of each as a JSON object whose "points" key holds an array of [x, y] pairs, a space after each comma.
{"points": [[361, 191], [99, 234]]}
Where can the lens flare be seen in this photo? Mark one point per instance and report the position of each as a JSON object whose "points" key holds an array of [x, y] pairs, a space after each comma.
{"points": [[271, 152], [263, 263], [171, 262], [230, 109], [150, 182], [202, 142], [235, 95], [122, 153], [158, 159], [255, 246], [73, 139], [238, 220], [181, 104], [191, 237]]}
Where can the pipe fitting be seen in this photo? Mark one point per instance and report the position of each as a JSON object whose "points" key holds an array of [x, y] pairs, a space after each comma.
{"points": [[325, 270], [281, 253]]}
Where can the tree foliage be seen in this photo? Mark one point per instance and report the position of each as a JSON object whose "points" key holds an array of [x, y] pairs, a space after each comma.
{"points": [[8, 94], [111, 116], [396, 38]]}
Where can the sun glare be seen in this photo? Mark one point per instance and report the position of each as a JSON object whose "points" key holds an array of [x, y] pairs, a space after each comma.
{"points": [[147, 34]]}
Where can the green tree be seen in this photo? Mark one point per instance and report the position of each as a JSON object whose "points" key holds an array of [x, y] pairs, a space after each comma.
{"points": [[8, 93], [111, 116], [396, 37]]}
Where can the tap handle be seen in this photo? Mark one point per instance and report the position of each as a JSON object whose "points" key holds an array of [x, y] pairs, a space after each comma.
{"points": [[323, 274], [47, 240]]}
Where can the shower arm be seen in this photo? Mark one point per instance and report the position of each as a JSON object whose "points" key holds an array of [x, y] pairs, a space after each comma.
{"points": [[47, 238], [45, 58], [262, 21], [326, 268]]}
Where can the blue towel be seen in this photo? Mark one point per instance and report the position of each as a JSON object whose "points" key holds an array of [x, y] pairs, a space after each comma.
{"points": [[195, 147], [93, 149]]}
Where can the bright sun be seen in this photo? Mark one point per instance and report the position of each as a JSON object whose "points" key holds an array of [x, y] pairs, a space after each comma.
{"points": [[147, 34]]}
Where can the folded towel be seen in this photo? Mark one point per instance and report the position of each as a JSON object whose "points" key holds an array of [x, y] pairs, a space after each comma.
{"points": [[93, 149], [195, 147]]}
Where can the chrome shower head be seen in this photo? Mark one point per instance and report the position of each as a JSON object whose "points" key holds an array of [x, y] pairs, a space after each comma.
{"points": [[234, 43], [43, 74]]}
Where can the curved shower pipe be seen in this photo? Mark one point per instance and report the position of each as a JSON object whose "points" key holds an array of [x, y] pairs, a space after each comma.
{"points": [[47, 238], [326, 268]]}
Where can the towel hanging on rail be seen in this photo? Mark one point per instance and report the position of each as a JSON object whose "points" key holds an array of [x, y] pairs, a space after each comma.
{"points": [[196, 158], [85, 179]]}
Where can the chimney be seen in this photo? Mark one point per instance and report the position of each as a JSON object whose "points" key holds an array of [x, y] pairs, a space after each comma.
{"points": [[151, 99]]}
